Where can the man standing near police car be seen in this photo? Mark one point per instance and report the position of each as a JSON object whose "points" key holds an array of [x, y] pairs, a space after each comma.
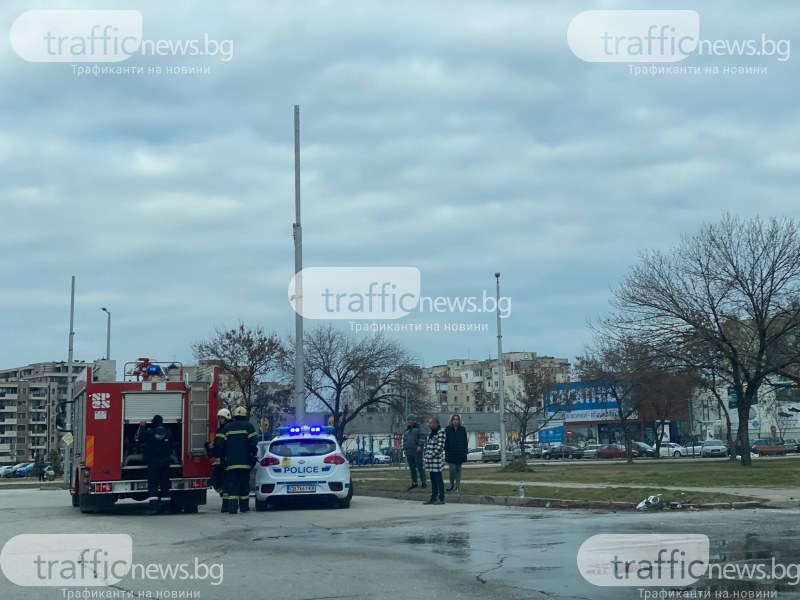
{"points": [[236, 445], [413, 445]]}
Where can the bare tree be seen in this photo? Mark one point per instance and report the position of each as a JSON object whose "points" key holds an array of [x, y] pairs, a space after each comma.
{"points": [[618, 365], [732, 290], [526, 403], [348, 375], [664, 397], [710, 380], [247, 358]]}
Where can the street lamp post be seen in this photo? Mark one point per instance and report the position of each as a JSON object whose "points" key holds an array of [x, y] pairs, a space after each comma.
{"points": [[503, 459], [108, 333]]}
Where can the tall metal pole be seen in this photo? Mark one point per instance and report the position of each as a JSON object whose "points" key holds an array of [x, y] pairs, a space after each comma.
{"points": [[299, 362], [68, 447], [108, 334], [501, 383]]}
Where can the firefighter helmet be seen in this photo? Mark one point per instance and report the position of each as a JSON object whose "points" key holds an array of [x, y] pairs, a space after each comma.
{"points": [[240, 411], [224, 413]]}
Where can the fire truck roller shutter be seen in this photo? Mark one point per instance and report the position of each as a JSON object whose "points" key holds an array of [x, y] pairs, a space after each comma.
{"points": [[142, 406]]}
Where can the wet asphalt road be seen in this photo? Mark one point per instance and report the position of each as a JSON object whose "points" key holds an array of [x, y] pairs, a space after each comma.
{"points": [[532, 553], [391, 549]]}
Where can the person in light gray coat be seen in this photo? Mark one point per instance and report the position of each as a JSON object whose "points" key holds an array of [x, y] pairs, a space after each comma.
{"points": [[413, 445]]}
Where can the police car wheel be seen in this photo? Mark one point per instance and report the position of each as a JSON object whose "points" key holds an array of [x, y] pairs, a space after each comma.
{"points": [[261, 505], [345, 502]]}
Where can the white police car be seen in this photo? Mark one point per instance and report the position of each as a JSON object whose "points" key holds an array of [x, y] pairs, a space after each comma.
{"points": [[303, 462]]}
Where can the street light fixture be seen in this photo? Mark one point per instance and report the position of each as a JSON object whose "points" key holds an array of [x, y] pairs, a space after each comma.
{"points": [[108, 333], [503, 442]]}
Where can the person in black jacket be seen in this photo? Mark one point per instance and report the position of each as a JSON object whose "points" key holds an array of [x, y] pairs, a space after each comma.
{"points": [[157, 442], [217, 466], [237, 446], [455, 450]]}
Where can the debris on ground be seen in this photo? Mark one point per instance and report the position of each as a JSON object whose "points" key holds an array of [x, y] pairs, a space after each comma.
{"points": [[656, 503]]}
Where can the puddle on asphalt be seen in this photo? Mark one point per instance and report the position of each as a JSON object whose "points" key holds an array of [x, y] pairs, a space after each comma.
{"points": [[537, 551]]}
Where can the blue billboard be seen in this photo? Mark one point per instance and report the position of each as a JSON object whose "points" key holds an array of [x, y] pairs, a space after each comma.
{"points": [[551, 435], [582, 401]]}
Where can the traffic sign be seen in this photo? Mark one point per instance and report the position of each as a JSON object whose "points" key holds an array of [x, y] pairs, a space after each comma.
{"points": [[773, 429], [67, 438]]}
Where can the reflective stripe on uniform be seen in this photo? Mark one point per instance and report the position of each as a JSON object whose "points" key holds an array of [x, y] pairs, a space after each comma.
{"points": [[229, 467]]}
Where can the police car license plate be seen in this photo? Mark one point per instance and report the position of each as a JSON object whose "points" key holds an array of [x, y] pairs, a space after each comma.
{"points": [[301, 489]]}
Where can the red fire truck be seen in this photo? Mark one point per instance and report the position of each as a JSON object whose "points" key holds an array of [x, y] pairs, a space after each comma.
{"points": [[105, 462]]}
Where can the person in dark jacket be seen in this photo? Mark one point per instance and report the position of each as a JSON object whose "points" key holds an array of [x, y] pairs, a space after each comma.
{"points": [[455, 450], [157, 442], [237, 446], [217, 466], [413, 445]]}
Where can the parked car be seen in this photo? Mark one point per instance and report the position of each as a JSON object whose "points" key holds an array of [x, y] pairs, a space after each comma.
{"points": [[791, 445], [538, 450], [714, 448], [768, 447], [491, 453], [672, 449], [614, 451], [6, 471], [15, 471], [474, 454], [379, 458], [589, 450], [562, 451], [49, 474], [644, 449], [695, 450], [365, 457]]}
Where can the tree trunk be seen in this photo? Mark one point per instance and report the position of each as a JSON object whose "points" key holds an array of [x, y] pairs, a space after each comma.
{"points": [[729, 434], [744, 435]]}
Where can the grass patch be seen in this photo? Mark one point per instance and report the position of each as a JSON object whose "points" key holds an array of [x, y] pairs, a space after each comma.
{"points": [[613, 494], [667, 472]]}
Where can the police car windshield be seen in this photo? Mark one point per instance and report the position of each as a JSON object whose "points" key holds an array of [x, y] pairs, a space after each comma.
{"points": [[302, 447]]}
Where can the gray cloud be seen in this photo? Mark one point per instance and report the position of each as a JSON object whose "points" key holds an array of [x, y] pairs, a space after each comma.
{"points": [[458, 137]]}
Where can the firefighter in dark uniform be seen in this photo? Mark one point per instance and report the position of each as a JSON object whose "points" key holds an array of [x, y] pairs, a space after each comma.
{"points": [[237, 447], [157, 442], [217, 466]]}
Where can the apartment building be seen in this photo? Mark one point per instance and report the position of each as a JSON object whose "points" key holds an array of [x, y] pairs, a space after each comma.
{"points": [[29, 398], [470, 385]]}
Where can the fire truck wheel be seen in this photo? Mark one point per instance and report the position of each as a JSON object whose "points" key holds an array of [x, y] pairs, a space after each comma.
{"points": [[175, 507], [85, 504], [76, 500]]}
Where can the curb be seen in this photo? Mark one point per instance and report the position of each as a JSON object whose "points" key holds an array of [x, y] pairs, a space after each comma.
{"points": [[33, 486], [513, 501]]}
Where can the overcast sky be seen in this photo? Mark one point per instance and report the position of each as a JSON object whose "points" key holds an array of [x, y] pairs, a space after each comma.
{"points": [[458, 137]]}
